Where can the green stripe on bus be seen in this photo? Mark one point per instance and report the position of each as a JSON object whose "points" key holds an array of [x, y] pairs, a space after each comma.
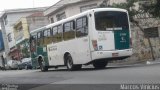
{"points": [[121, 39]]}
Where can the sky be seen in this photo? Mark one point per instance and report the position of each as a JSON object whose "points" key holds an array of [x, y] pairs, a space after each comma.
{"points": [[17, 4]]}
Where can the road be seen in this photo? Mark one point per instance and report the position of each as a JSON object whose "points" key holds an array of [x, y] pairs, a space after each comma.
{"points": [[136, 74]]}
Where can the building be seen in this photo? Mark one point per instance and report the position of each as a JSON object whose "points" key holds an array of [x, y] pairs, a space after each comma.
{"points": [[8, 19], [21, 31], [67, 8], [1, 47], [1, 42]]}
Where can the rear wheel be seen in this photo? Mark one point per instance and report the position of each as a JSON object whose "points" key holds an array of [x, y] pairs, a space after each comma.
{"points": [[42, 65], [70, 65], [26, 67], [100, 64]]}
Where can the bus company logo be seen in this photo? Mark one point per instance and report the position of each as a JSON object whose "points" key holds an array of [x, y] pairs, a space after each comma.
{"points": [[101, 47], [53, 48]]}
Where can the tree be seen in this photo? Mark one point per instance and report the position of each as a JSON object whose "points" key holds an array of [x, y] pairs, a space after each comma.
{"points": [[129, 5], [153, 8]]}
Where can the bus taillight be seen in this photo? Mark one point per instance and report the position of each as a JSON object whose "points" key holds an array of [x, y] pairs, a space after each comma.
{"points": [[94, 43]]}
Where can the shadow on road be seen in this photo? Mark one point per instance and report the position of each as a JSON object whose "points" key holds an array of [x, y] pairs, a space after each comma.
{"points": [[93, 69], [107, 68]]}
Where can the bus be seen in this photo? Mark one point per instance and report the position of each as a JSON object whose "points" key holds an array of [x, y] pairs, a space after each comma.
{"points": [[95, 37]]}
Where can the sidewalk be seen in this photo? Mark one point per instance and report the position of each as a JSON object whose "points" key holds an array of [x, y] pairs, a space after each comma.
{"points": [[135, 62]]}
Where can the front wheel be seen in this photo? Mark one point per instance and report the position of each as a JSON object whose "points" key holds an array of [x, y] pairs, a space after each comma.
{"points": [[100, 64], [42, 66], [26, 67], [70, 65]]}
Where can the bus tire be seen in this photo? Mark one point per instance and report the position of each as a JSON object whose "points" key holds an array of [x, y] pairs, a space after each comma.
{"points": [[70, 65], [42, 66], [100, 64]]}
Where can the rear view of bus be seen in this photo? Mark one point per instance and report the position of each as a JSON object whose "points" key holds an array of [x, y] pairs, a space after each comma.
{"points": [[111, 36]]}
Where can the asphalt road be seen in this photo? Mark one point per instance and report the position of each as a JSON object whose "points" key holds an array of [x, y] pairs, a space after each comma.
{"points": [[87, 77]]}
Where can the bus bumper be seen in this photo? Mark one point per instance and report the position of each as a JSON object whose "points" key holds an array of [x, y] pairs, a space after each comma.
{"points": [[112, 55]]}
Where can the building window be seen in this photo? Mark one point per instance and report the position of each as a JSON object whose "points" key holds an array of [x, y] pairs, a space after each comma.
{"points": [[87, 7], [151, 32], [52, 20], [9, 37], [5, 20], [61, 16]]}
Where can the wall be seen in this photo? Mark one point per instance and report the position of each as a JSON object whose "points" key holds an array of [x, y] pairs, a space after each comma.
{"points": [[37, 22], [23, 34]]}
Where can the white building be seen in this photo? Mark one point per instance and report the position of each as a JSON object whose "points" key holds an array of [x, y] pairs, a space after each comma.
{"points": [[8, 19], [67, 8]]}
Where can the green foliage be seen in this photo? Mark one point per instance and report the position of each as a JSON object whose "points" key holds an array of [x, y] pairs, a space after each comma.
{"points": [[129, 5], [153, 8]]}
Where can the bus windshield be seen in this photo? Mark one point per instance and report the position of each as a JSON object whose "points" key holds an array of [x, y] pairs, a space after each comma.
{"points": [[111, 20]]}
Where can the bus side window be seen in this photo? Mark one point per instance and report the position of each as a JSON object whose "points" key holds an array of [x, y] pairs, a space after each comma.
{"points": [[33, 43], [69, 30], [39, 39], [54, 33], [81, 27], [47, 36], [60, 33]]}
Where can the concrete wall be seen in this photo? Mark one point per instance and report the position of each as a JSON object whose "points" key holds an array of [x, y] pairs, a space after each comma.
{"points": [[141, 46]]}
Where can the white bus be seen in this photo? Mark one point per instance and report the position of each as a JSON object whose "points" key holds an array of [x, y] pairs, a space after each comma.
{"points": [[92, 37]]}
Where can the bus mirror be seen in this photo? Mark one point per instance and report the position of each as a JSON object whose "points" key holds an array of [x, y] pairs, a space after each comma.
{"points": [[90, 15], [31, 38]]}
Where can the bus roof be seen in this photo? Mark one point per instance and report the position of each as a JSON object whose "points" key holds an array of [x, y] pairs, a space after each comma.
{"points": [[75, 16]]}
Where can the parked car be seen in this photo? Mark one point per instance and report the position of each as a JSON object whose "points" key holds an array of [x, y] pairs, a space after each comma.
{"points": [[11, 64], [25, 64]]}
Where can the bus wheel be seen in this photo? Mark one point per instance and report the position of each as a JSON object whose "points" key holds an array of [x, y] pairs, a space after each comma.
{"points": [[100, 64], [70, 65], [42, 66]]}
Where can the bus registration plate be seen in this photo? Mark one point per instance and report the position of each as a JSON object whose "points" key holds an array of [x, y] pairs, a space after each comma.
{"points": [[115, 54]]}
